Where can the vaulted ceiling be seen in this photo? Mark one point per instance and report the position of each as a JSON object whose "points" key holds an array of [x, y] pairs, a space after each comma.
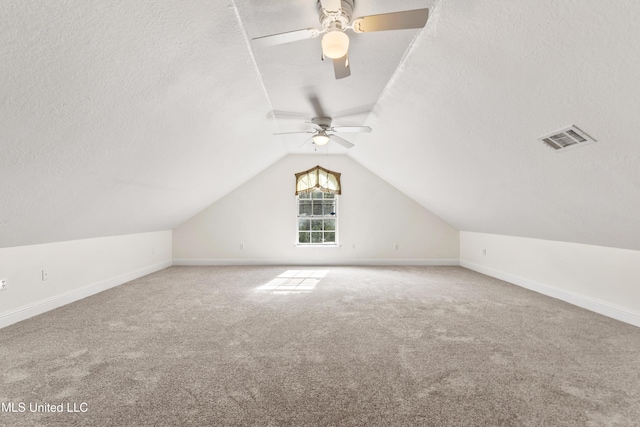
{"points": [[122, 117]]}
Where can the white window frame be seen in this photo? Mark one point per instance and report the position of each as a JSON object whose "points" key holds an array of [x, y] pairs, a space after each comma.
{"points": [[334, 217]]}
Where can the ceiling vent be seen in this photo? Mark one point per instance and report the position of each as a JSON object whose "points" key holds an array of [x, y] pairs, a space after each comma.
{"points": [[566, 139]]}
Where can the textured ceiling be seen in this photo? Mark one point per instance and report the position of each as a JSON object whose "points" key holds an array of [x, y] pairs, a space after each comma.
{"points": [[457, 130], [122, 117]]}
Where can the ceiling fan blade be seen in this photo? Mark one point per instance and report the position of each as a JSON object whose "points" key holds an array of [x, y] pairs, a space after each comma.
{"points": [[348, 129], [391, 21], [343, 142], [288, 37], [331, 6], [317, 107], [292, 133], [341, 67]]}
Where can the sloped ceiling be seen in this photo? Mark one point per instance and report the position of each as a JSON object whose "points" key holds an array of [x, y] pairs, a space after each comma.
{"points": [[122, 117], [457, 128]]}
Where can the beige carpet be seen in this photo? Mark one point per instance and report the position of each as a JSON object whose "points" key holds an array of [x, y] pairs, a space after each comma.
{"points": [[370, 346]]}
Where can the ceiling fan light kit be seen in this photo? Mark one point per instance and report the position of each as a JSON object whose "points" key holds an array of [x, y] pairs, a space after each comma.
{"points": [[321, 138], [335, 44]]}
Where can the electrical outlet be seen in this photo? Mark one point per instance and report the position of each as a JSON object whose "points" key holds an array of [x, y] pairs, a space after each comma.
{"points": [[484, 252], [45, 275], [241, 245], [3, 284], [396, 247]]}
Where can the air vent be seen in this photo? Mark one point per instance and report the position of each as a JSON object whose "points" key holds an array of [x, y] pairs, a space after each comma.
{"points": [[566, 139]]}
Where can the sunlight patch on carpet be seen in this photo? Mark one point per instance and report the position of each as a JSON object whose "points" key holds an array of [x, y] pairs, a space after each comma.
{"points": [[294, 281]]}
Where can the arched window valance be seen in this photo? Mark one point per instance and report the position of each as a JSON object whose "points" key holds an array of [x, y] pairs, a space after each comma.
{"points": [[320, 178]]}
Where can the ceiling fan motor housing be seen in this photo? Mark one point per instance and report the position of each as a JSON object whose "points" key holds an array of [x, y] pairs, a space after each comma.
{"points": [[322, 122], [340, 19]]}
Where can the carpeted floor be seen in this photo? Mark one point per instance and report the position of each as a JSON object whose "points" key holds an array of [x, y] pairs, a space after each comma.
{"points": [[370, 346]]}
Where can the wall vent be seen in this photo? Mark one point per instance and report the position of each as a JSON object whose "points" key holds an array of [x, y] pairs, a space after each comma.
{"points": [[566, 139]]}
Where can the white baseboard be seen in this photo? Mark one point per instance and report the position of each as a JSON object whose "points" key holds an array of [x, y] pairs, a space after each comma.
{"points": [[42, 306], [370, 261], [602, 307]]}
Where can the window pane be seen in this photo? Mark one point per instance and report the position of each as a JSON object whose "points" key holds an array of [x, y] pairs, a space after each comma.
{"points": [[304, 224], [303, 237], [317, 194], [304, 195], [316, 237], [316, 224], [304, 207], [328, 208], [330, 237], [329, 196], [330, 224], [317, 208]]}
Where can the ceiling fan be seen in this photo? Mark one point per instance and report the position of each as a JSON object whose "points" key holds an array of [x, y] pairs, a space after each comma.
{"points": [[335, 19], [324, 131]]}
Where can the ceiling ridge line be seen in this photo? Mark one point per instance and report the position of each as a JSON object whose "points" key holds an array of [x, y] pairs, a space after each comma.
{"points": [[251, 55], [432, 24]]}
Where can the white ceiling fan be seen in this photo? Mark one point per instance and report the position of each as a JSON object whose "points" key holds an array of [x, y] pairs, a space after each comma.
{"points": [[324, 131], [335, 19]]}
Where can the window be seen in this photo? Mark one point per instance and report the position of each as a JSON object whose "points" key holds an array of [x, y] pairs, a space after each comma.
{"points": [[317, 218], [317, 191]]}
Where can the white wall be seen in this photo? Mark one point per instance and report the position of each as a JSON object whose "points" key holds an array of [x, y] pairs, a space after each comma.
{"points": [[601, 279], [261, 214], [77, 269]]}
